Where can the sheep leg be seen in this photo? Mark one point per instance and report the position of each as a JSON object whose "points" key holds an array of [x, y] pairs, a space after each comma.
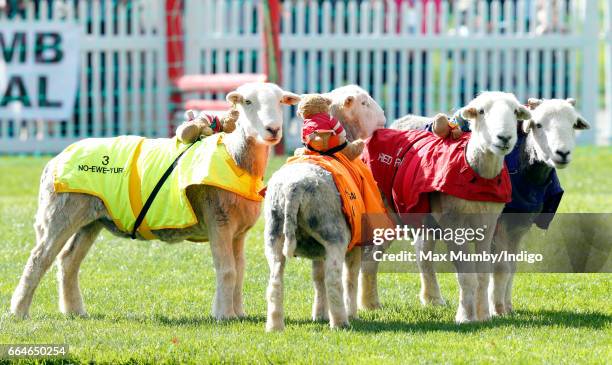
{"points": [[508, 296], [225, 267], [500, 290], [507, 237], [352, 263], [501, 274], [497, 288], [483, 273], [319, 305], [430, 290], [466, 312], [468, 283], [68, 265], [334, 259], [514, 246], [368, 284], [51, 235], [276, 261], [240, 264]]}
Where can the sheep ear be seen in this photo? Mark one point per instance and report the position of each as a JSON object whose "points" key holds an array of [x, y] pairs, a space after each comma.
{"points": [[528, 125], [469, 113], [348, 102], [523, 113], [234, 97], [290, 98], [534, 103], [572, 101], [581, 124]]}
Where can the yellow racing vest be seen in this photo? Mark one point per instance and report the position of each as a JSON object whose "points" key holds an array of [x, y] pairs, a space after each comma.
{"points": [[123, 172]]}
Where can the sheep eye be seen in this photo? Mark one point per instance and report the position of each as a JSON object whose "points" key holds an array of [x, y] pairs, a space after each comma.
{"points": [[481, 111], [248, 102], [538, 125], [363, 103]]}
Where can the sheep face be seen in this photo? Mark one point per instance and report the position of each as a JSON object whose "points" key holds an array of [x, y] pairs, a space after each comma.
{"points": [[553, 127], [358, 111], [493, 119], [259, 105]]}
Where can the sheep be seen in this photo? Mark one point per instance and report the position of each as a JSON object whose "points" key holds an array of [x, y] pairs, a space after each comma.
{"points": [[303, 210], [67, 224], [549, 144], [493, 117]]}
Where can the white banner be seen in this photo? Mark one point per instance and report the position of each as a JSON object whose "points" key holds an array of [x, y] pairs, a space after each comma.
{"points": [[39, 77]]}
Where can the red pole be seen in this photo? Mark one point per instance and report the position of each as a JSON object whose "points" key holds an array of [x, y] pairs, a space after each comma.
{"points": [[174, 53], [271, 14], [271, 41]]}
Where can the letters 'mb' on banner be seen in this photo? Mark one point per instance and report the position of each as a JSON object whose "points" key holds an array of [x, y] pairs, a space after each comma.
{"points": [[39, 68]]}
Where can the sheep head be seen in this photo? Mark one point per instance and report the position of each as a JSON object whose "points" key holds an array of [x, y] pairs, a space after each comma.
{"points": [[493, 120], [357, 110], [552, 127], [261, 115]]}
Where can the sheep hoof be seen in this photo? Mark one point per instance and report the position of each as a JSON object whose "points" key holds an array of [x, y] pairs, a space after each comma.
{"points": [[225, 316], [432, 301], [239, 310], [76, 314], [462, 318], [275, 327], [369, 305], [320, 317], [340, 326], [497, 309]]}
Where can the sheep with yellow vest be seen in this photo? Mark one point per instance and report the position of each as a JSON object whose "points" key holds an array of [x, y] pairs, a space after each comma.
{"points": [[210, 195]]}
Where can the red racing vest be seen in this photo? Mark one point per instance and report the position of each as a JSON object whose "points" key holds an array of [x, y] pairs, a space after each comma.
{"points": [[408, 165]]}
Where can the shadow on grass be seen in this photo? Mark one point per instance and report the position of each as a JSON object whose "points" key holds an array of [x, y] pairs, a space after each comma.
{"points": [[192, 321], [519, 319]]}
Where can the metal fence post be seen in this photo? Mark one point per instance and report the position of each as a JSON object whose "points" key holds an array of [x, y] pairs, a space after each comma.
{"points": [[608, 73], [590, 61], [174, 57]]}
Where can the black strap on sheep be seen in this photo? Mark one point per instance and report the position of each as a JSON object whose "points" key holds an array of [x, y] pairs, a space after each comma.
{"points": [[330, 151], [151, 198]]}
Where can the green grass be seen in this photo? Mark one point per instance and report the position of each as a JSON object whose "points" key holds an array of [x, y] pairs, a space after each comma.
{"points": [[150, 302]]}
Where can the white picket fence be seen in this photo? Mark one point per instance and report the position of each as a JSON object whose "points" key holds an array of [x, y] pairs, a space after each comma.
{"points": [[607, 125], [412, 58], [123, 86]]}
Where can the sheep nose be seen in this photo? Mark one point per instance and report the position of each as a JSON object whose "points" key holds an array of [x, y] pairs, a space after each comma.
{"points": [[273, 131], [563, 154], [504, 139]]}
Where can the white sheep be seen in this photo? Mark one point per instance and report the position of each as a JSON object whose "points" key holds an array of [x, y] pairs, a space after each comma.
{"points": [[493, 117], [67, 224], [303, 208], [549, 144]]}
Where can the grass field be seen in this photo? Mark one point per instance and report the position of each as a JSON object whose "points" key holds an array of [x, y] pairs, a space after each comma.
{"points": [[150, 302]]}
